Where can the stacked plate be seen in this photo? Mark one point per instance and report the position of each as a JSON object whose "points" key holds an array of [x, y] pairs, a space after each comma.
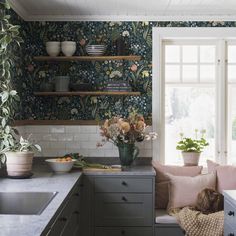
{"points": [[95, 50]]}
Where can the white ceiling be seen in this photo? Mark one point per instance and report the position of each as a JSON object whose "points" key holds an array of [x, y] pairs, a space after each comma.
{"points": [[127, 10]]}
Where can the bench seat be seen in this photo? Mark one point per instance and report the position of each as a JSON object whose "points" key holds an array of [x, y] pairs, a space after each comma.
{"points": [[166, 225]]}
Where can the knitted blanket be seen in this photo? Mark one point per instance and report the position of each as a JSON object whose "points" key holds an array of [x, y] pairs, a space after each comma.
{"points": [[197, 224]]}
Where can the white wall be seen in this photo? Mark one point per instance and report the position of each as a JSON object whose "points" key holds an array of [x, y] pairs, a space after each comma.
{"points": [[59, 140]]}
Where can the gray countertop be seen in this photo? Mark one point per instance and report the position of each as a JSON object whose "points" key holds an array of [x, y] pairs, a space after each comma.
{"points": [[45, 180]]}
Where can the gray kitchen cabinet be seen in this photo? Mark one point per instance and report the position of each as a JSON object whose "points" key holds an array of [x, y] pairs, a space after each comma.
{"points": [[123, 231], [230, 213], [67, 221], [119, 205]]}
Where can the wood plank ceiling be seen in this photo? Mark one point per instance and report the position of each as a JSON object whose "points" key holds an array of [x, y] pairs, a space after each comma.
{"points": [[128, 10]]}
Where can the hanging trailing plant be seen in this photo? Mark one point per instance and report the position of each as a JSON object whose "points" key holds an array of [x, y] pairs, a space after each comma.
{"points": [[9, 43]]}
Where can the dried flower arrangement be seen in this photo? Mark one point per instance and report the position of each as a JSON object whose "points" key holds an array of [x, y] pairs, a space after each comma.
{"points": [[120, 130]]}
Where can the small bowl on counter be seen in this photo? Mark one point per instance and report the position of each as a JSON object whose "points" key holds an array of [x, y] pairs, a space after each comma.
{"points": [[61, 165]]}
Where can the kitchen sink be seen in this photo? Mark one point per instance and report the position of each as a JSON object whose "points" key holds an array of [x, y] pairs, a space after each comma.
{"points": [[24, 203]]}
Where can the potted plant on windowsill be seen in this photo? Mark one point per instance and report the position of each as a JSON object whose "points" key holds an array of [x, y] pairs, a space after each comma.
{"points": [[124, 133], [192, 148]]}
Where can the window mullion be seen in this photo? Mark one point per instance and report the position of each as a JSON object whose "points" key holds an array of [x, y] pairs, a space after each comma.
{"points": [[221, 119]]}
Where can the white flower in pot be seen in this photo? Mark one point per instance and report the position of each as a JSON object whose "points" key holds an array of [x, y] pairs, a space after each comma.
{"points": [[192, 148], [19, 157]]}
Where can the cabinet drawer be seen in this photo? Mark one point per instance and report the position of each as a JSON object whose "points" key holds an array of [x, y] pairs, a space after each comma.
{"points": [[230, 214], [127, 209], [228, 231], [127, 185], [123, 231]]}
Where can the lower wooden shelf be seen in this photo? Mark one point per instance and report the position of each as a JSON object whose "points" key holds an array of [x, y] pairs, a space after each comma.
{"points": [[87, 93]]}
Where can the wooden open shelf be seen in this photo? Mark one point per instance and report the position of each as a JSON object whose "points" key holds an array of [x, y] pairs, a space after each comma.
{"points": [[88, 58], [62, 122], [87, 93]]}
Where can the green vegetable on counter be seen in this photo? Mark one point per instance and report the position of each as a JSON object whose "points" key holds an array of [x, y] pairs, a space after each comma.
{"points": [[82, 163]]}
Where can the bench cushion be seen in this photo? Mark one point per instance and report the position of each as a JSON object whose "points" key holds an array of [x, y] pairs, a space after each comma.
{"points": [[163, 218]]}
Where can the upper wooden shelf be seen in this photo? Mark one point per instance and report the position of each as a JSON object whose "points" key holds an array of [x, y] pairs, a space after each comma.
{"points": [[87, 93], [88, 58]]}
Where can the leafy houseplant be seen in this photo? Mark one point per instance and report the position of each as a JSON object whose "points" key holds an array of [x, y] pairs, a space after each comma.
{"points": [[20, 157], [9, 43], [123, 133], [192, 148]]}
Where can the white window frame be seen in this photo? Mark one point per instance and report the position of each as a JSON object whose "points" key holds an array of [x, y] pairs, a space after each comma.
{"points": [[221, 34]]}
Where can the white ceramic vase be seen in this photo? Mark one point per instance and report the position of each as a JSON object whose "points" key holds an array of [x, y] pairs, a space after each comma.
{"points": [[68, 48], [53, 48], [19, 163], [191, 158]]}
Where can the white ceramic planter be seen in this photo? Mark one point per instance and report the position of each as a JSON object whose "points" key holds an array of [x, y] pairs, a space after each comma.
{"points": [[53, 48], [191, 158], [62, 83], [68, 48], [19, 163]]}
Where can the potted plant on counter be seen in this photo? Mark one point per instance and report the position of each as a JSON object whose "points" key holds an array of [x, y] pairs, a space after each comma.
{"points": [[191, 148], [124, 133], [19, 157]]}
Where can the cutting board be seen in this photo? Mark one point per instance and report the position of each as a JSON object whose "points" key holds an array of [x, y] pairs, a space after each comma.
{"points": [[99, 170]]}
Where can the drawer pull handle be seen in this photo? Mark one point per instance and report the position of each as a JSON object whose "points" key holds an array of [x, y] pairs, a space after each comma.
{"points": [[124, 199], [231, 234], [123, 232], [231, 213], [124, 183], [77, 194], [76, 212], [63, 219]]}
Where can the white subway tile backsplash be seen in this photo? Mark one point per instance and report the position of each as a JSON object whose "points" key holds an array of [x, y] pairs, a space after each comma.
{"points": [[59, 140], [38, 129], [81, 137], [66, 137], [58, 145], [95, 137], [88, 145], [50, 137], [72, 129], [57, 129], [96, 153], [88, 129]]}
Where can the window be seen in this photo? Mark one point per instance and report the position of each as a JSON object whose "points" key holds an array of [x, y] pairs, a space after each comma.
{"points": [[194, 87], [190, 92]]}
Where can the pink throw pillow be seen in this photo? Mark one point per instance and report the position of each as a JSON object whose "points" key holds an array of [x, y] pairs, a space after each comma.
{"points": [[184, 189], [225, 175], [162, 180]]}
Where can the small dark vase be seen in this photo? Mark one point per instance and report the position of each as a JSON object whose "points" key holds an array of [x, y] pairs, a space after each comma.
{"points": [[120, 46], [128, 152]]}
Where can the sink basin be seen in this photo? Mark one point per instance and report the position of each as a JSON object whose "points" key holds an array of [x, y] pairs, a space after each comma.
{"points": [[24, 203]]}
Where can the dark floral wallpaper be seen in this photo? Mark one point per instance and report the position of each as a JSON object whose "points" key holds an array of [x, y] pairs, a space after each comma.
{"points": [[31, 74]]}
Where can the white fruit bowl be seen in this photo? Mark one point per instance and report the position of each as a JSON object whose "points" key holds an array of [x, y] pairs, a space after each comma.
{"points": [[60, 167]]}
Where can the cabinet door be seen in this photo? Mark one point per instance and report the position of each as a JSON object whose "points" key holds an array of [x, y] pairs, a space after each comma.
{"points": [[124, 231], [123, 185], [72, 226], [123, 209], [230, 214], [228, 231]]}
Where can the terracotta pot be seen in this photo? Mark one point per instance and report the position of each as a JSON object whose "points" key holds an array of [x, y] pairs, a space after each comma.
{"points": [[19, 163], [191, 158]]}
